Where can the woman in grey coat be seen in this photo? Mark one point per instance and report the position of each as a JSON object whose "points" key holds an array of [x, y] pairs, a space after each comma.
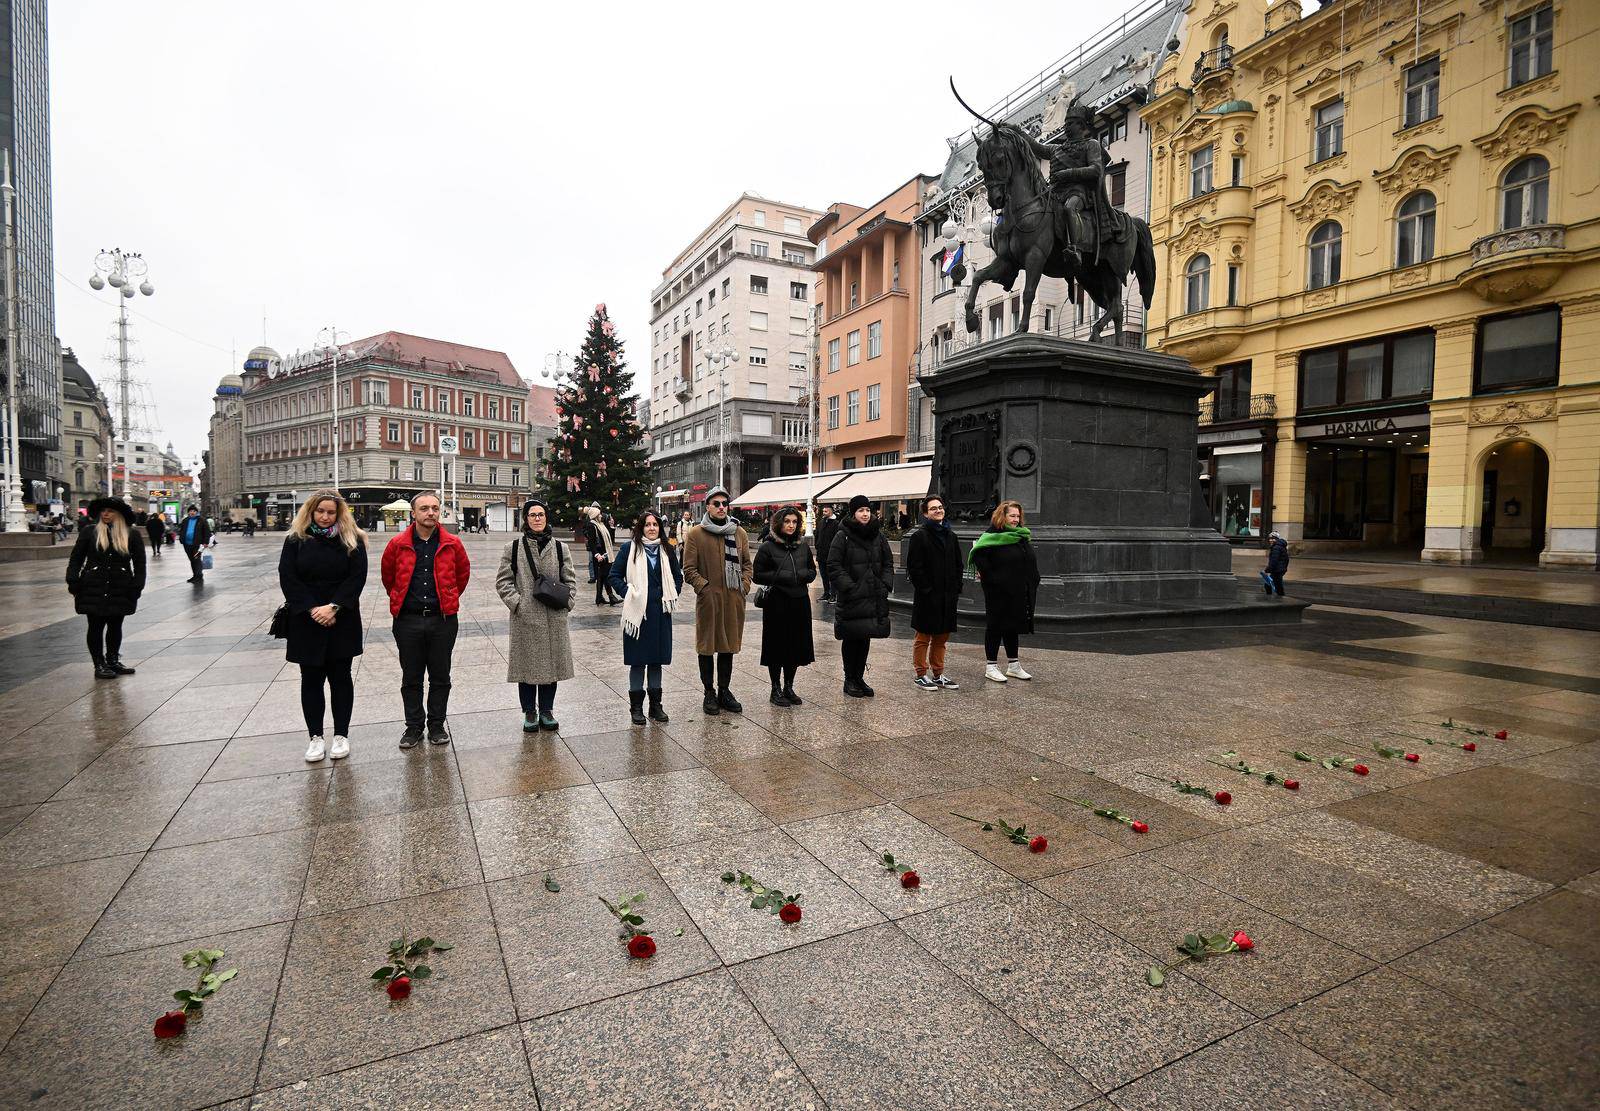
{"points": [[541, 650]]}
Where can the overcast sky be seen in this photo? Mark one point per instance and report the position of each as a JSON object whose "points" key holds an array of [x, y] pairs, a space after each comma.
{"points": [[482, 171]]}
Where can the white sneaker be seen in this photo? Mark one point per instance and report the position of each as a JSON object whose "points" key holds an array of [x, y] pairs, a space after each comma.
{"points": [[315, 752], [1015, 671], [340, 749], [992, 671]]}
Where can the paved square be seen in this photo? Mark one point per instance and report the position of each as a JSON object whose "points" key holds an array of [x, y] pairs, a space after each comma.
{"points": [[1426, 932]]}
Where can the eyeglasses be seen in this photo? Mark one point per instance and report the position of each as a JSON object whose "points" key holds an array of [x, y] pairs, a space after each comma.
{"points": [[718, 504]]}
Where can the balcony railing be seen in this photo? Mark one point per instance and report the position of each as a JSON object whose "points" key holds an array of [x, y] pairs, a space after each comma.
{"points": [[1535, 237], [1220, 57], [1230, 407]]}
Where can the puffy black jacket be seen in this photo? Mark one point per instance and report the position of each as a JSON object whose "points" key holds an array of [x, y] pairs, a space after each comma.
{"points": [[784, 568], [1278, 557], [861, 569], [104, 582]]}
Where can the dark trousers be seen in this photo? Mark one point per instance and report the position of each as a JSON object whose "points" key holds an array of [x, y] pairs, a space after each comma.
{"points": [[195, 570], [601, 570], [425, 642], [992, 639], [854, 655], [105, 637], [155, 545], [336, 673], [1272, 582], [723, 662], [537, 699], [782, 677]]}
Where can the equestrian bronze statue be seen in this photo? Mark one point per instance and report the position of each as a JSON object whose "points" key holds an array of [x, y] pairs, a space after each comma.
{"points": [[1065, 227]]}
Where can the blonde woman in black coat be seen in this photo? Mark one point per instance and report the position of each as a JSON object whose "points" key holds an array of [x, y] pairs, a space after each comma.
{"points": [[105, 575], [322, 570]]}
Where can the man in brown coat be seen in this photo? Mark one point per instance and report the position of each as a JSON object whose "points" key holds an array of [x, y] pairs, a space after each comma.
{"points": [[716, 562]]}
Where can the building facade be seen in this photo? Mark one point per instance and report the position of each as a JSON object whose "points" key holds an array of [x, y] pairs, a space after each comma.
{"points": [[743, 285], [88, 434], [400, 396], [1377, 224], [867, 292], [222, 480], [25, 133], [1112, 72], [156, 475]]}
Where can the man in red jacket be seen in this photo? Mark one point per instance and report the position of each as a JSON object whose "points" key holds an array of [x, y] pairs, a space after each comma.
{"points": [[425, 571]]}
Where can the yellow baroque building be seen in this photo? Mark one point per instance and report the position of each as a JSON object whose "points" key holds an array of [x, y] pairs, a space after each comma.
{"points": [[1378, 224]]}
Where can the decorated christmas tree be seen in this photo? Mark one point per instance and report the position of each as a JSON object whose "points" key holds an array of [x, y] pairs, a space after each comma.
{"points": [[598, 456]]}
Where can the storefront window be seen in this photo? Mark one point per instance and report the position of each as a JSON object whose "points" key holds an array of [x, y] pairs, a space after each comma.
{"points": [[1236, 478], [1347, 488], [1366, 372]]}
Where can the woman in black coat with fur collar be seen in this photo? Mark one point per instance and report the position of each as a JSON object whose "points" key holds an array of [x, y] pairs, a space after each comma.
{"points": [[105, 575]]}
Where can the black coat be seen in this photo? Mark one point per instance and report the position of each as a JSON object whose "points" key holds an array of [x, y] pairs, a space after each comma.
{"points": [[653, 645], [105, 583], [202, 532], [1278, 557], [861, 569], [314, 572], [785, 570], [933, 564], [827, 529], [1010, 577], [157, 528]]}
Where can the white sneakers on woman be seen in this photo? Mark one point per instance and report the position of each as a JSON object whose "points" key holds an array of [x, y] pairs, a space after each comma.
{"points": [[316, 750], [1016, 672], [992, 672], [1013, 671]]}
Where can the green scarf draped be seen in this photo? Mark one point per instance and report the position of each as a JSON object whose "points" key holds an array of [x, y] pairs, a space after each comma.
{"points": [[993, 538]]}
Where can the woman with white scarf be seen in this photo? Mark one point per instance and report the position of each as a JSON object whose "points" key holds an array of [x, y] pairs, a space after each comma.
{"points": [[602, 556], [647, 575]]}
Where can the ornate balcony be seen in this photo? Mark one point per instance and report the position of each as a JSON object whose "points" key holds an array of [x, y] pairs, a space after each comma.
{"points": [[1232, 407], [1516, 263], [1210, 61]]}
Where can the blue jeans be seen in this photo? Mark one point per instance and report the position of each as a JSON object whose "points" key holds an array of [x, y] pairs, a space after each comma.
{"points": [[636, 677], [1273, 582], [540, 699]]}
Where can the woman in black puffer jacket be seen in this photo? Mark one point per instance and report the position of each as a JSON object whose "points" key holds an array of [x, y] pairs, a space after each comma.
{"points": [[861, 569], [105, 574], [785, 567]]}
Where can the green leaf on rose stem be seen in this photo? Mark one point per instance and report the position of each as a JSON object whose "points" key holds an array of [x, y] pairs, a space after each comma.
{"points": [[383, 972], [1155, 977], [987, 827], [421, 972], [638, 900], [442, 947], [633, 919], [195, 1009], [550, 883], [757, 904], [182, 995], [727, 877]]}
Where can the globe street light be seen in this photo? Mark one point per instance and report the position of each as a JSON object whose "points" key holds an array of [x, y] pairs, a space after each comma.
{"points": [[121, 271], [721, 358]]}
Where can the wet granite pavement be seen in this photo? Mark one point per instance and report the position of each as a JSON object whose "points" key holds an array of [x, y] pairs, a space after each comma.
{"points": [[1416, 926]]}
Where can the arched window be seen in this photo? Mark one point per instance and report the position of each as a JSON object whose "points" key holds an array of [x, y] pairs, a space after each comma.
{"points": [[1525, 193], [1327, 247], [1197, 284], [1414, 229]]}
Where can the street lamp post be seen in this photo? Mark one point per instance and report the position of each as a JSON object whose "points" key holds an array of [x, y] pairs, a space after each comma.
{"points": [[120, 271], [721, 358], [14, 519], [328, 341]]}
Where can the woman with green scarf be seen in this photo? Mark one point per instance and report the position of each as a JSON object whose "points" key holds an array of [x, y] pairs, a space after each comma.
{"points": [[1009, 574]]}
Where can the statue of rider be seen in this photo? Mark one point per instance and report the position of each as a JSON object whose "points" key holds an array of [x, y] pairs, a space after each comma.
{"points": [[1077, 184]]}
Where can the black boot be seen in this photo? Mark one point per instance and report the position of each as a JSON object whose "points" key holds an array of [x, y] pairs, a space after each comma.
{"points": [[788, 692], [636, 707], [101, 670], [114, 662], [729, 703], [656, 711], [777, 698], [710, 704]]}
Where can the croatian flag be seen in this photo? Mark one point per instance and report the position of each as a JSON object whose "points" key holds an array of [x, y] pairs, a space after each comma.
{"points": [[953, 257]]}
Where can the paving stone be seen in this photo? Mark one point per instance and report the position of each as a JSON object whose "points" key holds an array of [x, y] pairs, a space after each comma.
{"points": [[390, 856], [45, 913], [538, 762], [1563, 920], [131, 770], [487, 1071], [675, 808], [246, 807], [19, 991], [1069, 846], [629, 753], [534, 833], [89, 826], [392, 787], [789, 788]]}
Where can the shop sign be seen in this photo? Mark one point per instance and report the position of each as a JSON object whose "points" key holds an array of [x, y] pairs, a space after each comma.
{"points": [[1231, 436], [1365, 426]]}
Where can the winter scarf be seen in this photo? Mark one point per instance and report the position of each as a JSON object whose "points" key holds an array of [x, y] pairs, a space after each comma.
{"points": [[637, 597], [994, 538], [930, 523], [607, 548], [732, 575]]}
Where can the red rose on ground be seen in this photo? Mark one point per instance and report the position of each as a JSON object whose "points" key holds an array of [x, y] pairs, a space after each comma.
{"points": [[641, 946], [1470, 746], [1500, 736], [1291, 784], [1223, 798], [1242, 940], [399, 987], [910, 879], [789, 912], [1412, 757], [1038, 845], [1140, 827], [171, 1024], [1360, 769]]}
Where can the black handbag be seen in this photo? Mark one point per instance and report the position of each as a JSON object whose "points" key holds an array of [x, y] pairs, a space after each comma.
{"points": [[280, 623], [552, 592]]}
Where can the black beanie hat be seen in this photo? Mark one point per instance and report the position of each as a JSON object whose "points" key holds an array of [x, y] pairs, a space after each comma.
{"points": [[858, 502]]}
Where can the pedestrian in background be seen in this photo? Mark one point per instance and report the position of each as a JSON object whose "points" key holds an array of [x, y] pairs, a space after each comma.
{"points": [[322, 570], [105, 575], [1009, 573], [861, 568], [827, 528], [649, 578], [783, 571], [194, 535], [540, 655], [716, 562], [1277, 565], [425, 571], [156, 527], [933, 564], [601, 553]]}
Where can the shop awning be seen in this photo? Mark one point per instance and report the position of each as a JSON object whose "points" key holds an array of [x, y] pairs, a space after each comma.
{"points": [[899, 482], [399, 505], [788, 490]]}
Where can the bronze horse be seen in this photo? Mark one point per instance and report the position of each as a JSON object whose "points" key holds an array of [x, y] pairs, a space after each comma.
{"points": [[1025, 235]]}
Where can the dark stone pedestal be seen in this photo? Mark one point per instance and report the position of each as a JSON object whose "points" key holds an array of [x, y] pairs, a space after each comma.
{"points": [[1098, 444]]}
